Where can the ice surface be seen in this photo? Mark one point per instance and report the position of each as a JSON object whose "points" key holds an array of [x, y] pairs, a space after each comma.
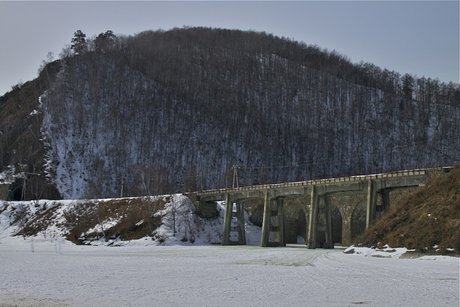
{"points": [[50, 273]]}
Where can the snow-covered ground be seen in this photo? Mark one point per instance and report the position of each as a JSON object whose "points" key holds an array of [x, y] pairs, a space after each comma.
{"points": [[58, 273], [180, 225], [47, 270]]}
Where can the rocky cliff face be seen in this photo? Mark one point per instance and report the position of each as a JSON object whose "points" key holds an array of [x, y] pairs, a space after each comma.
{"points": [[174, 111], [22, 150]]}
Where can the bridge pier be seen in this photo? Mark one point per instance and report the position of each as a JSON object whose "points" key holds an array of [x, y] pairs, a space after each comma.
{"points": [[228, 228], [273, 222], [239, 214], [347, 213], [320, 209], [280, 207], [328, 219], [371, 203], [227, 219], [313, 216]]}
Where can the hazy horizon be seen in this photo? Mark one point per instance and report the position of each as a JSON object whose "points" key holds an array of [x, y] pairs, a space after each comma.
{"points": [[416, 37]]}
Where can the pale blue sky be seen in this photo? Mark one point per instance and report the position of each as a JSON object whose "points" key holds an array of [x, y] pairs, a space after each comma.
{"points": [[418, 37]]}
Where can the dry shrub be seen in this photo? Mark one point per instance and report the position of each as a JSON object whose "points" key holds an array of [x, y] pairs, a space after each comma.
{"points": [[423, 219], [39, 223], [135, 218], [79, 220]]}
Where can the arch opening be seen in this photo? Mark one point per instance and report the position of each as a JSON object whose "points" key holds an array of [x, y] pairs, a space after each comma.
{"points": [[336, 221], [358, 221]]}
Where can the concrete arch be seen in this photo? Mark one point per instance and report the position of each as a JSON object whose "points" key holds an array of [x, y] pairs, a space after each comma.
{"points": [[295, 219]]}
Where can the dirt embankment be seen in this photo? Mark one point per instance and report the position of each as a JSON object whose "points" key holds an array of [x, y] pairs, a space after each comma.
{"points": [[427, 220], [86, 221]]}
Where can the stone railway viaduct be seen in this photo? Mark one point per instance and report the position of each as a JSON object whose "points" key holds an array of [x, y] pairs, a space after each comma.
{"points": [[316, 197]]}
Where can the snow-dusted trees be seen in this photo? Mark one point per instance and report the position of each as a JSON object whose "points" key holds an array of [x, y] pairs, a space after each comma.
{"points": [[408, 86], [173, 111], [104, 41]]}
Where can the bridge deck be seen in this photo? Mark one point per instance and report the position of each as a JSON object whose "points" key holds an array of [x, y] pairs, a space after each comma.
{"points": [[317, 182], [315, 190]]}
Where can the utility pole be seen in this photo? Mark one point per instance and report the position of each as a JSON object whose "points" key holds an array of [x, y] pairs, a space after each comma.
{"points": [[23, 192], [24, 185], [122, 186], [201, 179], [235, 183]]}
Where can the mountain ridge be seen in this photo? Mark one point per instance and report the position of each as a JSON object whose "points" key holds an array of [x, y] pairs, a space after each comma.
{"points": [[169, 111]]}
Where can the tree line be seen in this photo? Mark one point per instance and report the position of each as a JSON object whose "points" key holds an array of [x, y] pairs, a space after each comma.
{"points": [[170, 111]]}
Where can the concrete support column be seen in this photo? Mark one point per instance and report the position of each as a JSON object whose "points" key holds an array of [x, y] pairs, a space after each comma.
{"points": [[240, 217], [266, 221], [346, 229], [311, 240], [279, 204], [371, 203], [227, 219], [328, 213]]}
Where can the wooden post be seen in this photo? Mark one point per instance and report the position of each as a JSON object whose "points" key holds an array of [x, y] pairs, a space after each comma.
{"points": [[311, 240]]}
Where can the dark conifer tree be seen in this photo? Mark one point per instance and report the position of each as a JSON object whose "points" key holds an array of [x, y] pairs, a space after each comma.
{"points": [[79, 45]]}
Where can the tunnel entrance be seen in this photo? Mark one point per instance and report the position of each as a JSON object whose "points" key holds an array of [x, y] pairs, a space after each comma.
{"points": [[16, 190]]}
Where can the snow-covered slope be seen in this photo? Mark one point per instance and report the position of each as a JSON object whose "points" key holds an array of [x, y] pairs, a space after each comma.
{"points": [[171, 220]]}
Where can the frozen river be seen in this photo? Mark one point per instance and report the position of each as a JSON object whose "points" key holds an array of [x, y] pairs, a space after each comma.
{"points": [[51, 274]]}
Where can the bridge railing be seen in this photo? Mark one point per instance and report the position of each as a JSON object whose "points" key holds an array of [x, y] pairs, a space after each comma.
{"points": [[404, 173]]}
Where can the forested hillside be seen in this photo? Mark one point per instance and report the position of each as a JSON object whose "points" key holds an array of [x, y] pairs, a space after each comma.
{"points": [[21, 144], [162, 112]]}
